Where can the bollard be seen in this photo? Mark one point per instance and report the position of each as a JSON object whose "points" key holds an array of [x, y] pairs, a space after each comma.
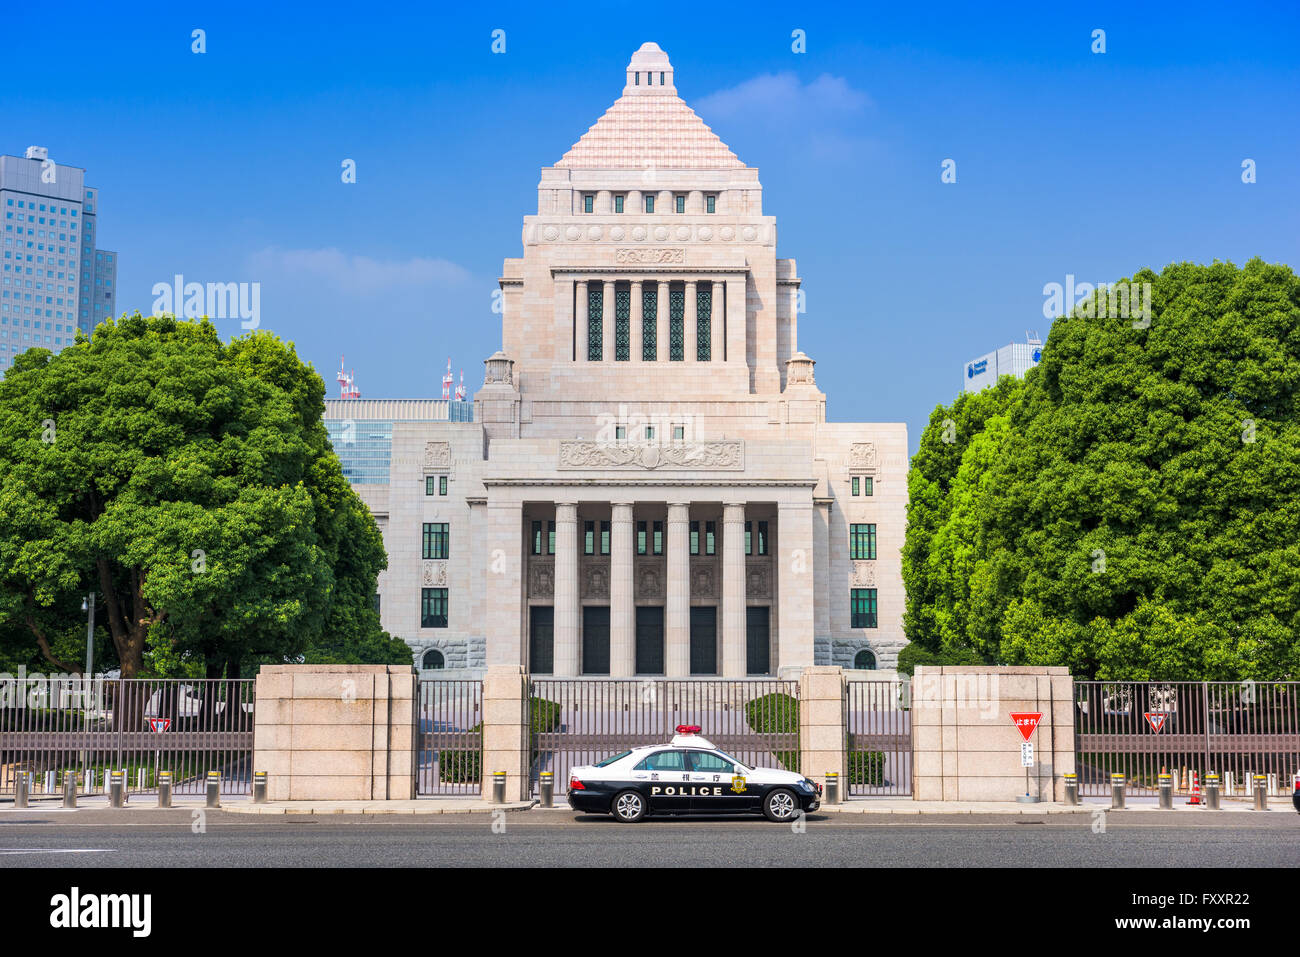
{"points": [[548, 788], [90, 781], [1166, 792], [141, 780], [1261, 793], [69, 788], [1071, 789], [1227, 783], [832, 787], [1117, 792], [259, 787], [1212, 791], [50, 779], [214, 789], [116, 787], [164, 789], [1272, 785], [21, 785], [498, 787]]}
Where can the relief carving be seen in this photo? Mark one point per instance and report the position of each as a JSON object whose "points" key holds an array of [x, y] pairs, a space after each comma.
{"points": [[649, 582], [702, 581], [662, 255], [862, 455], [758, 581], [864, 574], [541, 579], [435, 573], [595, 582], [437, 455], [726, 455]]}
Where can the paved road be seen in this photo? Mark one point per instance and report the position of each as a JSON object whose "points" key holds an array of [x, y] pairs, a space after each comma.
{"points": [[165, 838]]}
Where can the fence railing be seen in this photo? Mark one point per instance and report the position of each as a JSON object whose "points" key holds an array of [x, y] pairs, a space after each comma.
{"points": [[878, 738], [52, 727], [450, 736], [1140, 728], [578, 721]]}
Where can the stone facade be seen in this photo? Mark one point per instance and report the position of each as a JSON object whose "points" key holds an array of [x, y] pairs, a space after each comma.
{"points": [[649, 485]]}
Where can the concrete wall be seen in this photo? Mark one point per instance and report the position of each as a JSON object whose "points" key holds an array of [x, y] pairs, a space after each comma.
{"points": [[336, 732], [965, 746]]}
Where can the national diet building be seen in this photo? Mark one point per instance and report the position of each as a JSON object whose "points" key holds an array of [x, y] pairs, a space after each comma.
{"points": [[648, 483]]}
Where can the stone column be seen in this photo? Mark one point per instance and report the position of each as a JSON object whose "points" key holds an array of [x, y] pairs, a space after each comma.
{"points": [[505, 732], [734, 658], [718, 348], [566, 590], [690, 320], [661, 323], [677, 590], [635, 325], [504, 626], [607, 322], [794, 575], [622, 612], [821, 724], [736, 321], [580, 325]]}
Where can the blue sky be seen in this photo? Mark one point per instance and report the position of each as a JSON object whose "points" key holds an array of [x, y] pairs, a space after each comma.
{"points": [[225, 166]]}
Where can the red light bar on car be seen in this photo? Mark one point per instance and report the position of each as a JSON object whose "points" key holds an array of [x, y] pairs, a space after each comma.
{"points": [[688, 729]]}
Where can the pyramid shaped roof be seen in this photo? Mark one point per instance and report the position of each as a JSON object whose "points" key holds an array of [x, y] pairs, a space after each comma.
{"points": [[650, 126]]}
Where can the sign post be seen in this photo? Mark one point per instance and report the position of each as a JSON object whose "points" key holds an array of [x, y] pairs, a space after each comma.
{"points": [[1026, 723]]}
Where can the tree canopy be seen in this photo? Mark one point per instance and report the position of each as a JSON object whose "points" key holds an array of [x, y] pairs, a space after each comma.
{"points": [[192, 486], [1132, 508]]}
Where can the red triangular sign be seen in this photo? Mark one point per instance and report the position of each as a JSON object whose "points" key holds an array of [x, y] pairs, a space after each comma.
{"points": [[1026, 722], [1156, 719], [159, 724]]}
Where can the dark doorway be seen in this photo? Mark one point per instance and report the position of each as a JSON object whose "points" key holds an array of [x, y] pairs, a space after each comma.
{"points": [[704, 640], [758, 640], [650, 640], [541, 639], [595, 639]]}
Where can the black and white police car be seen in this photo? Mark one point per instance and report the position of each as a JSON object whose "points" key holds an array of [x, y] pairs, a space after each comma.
{"points": [[687, 776]]}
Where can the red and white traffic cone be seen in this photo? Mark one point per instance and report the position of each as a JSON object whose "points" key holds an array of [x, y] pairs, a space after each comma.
{"points": [[1196, 789]]}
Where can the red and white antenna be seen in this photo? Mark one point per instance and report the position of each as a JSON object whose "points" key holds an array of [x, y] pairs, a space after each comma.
{"points": [[347, 383], [460, 389], [447, 381]]}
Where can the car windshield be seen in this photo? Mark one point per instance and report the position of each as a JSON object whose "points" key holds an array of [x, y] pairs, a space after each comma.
{"points": [[740, 764], [610, 760]]}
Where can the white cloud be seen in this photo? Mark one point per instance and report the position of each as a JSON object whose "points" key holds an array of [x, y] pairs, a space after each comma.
{"points": [[357, 274], [780, 96]]}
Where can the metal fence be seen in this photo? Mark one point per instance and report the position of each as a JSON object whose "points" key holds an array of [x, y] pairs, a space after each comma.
{"points": [[51, 727], [878, 742], [1139, 728], [580, 721], [450, 759]]}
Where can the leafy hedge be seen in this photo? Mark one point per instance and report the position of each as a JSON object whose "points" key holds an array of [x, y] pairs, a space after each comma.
{"points": [[866, 767], [776, 713], [466, 767]]}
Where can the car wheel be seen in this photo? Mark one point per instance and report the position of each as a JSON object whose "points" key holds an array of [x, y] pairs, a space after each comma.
{"points": [[628, 807], [780, 805]]}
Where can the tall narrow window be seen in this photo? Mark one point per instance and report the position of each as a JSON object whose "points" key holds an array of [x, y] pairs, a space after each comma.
{"points": [[431, 485], [695, 538], [854, 486], [762, 539], [435, 540], [442, 485], [681, 203], [622, 325], [604, 538], [550, 538], [862, 610], [641, 538], [537, 538], [433, 608], [710, 538], [868, 482], [588, 203], [676, 325], [657, 530], [618, 204], [862, 541], [649, 316], [649, 204], [595, 326], [588, 538], [710, 204], [703, 308]]}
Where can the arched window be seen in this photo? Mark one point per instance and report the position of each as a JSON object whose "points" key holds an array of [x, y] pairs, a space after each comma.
{"points": [[864, 660], [433, 660]]}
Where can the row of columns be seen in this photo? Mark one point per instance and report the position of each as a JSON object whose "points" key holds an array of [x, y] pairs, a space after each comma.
{"points": [[691, 317], [622, 612]]}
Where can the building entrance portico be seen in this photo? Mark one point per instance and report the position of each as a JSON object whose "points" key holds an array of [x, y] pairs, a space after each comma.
{"points": [[656, 587]]}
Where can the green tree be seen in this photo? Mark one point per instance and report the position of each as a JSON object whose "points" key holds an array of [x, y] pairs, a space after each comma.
{"points": [[1136, 512], [192, 485]]}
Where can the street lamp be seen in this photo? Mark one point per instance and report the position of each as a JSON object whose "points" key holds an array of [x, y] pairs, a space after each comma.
{"points": [[88, 605]]}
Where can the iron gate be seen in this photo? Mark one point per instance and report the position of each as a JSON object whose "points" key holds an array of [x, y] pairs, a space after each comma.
{"points": [[878, 746], [576, 721], [450, 759], [54, 726], [1140, 728]]}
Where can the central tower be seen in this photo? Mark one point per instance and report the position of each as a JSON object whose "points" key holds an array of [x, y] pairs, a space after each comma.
{"points": [[649, 268]]}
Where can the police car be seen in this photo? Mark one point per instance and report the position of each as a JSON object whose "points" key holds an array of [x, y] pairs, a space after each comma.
{"points": [[687, 776]]}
